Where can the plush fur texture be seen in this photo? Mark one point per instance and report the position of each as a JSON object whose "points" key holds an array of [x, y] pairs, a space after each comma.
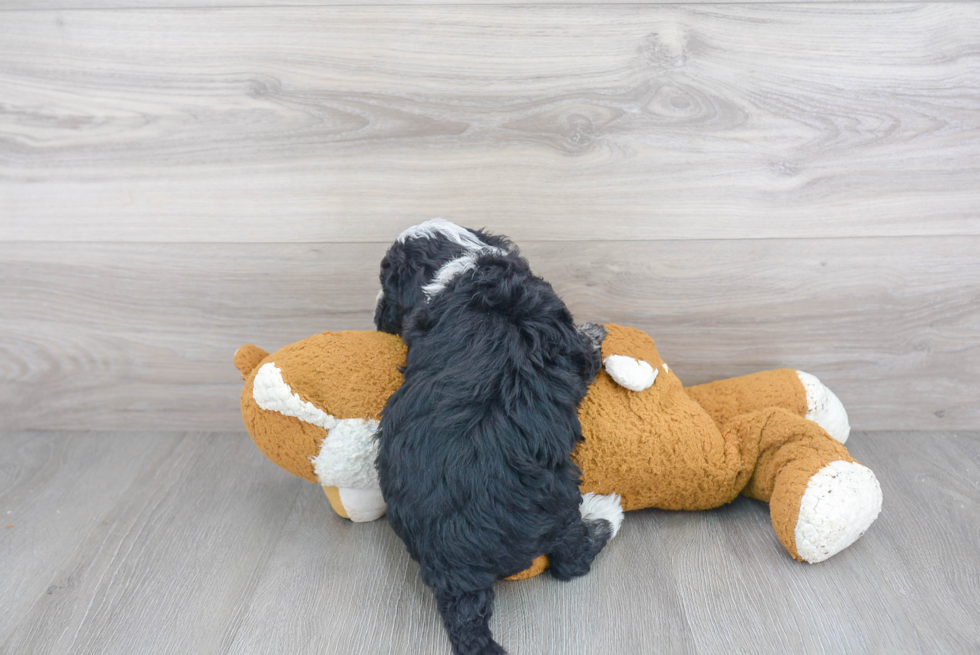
{"points": [[474, 458]]}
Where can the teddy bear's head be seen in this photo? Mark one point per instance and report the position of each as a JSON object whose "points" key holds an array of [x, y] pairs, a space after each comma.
{"points": [[333, 383]]}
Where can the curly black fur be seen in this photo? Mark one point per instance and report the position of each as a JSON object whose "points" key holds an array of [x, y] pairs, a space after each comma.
{"points": [[412, 263], [474, 459]]}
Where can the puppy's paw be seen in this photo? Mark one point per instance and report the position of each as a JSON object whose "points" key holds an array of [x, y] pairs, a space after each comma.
{"points": [[608, 508]]}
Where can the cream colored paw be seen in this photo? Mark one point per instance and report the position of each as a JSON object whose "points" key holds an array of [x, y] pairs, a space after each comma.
{"points": [[840, 502], [824, 408], [358, 505], [608, 507]]}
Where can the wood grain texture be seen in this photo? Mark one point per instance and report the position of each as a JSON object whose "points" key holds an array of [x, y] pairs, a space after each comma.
{"points": [[338, 587], [877, 596], [310, 124], [212, 549], [55, 490], [44, 5], [932, 492], [124, 336], [175, 566]]}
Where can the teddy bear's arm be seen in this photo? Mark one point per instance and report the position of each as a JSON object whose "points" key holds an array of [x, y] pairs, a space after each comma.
{"points": [[795, 391], [629, 372]]}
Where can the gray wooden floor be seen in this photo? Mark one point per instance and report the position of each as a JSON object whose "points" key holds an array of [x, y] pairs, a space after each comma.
{"points": [[194, 543]]}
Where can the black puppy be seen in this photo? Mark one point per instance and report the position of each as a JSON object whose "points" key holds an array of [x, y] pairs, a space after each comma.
{"points": [[474, 453]]}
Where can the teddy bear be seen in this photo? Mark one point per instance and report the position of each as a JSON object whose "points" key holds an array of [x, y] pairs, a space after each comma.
{"points": [[777, 436]]}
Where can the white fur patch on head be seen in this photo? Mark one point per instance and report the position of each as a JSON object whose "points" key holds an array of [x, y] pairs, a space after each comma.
{"points": [[840, 502], [455, 267], [272, 393], [634, 374], [363, 505], [442, 228], [448, 271], [347, 454], [379, 298], [824, 408], [608, 507], [438, 227]]}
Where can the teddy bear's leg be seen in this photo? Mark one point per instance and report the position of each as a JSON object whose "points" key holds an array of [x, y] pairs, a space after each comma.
{"points": [[820, 500], [824, 407], [795, 391]]}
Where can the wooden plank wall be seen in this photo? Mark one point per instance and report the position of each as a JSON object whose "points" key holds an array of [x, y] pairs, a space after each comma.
{"points": [[757, 185]]}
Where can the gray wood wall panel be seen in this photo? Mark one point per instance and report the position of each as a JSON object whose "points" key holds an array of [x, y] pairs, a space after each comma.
{"points": [[757, 185], [129, 336], [314, 124], [42, 5], [212, 549]]}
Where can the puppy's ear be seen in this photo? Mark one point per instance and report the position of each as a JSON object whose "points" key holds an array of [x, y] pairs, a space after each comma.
{"points": [[416, 323], [583, 352], [401, 288], [387, 314]]}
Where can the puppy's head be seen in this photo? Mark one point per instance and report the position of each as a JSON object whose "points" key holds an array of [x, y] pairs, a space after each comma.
{"points": [[413, 261]]}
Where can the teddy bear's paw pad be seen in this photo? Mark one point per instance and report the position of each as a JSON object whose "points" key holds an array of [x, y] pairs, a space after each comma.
{"points": [[824, 408], [634, 374], [359, 505], [609, 508], [840, 502]]}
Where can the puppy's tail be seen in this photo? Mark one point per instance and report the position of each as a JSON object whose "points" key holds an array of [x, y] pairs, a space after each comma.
{"points": [[466, 616]]}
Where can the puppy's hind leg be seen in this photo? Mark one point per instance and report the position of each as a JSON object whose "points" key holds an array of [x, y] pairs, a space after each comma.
{"points": [[466, 616], [582, 540]]}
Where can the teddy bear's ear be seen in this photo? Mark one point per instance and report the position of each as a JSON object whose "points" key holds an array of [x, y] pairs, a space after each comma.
{"points": [[248, 357]]}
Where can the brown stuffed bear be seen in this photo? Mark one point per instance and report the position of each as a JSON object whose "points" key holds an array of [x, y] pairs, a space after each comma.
{"points": [[777, 436]]}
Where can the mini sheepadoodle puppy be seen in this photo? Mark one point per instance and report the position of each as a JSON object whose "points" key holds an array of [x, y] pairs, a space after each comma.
{"points": [[474, 452]]}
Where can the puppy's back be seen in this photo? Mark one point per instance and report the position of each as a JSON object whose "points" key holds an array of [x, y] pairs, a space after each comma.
{"points": [[475, 445]]}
